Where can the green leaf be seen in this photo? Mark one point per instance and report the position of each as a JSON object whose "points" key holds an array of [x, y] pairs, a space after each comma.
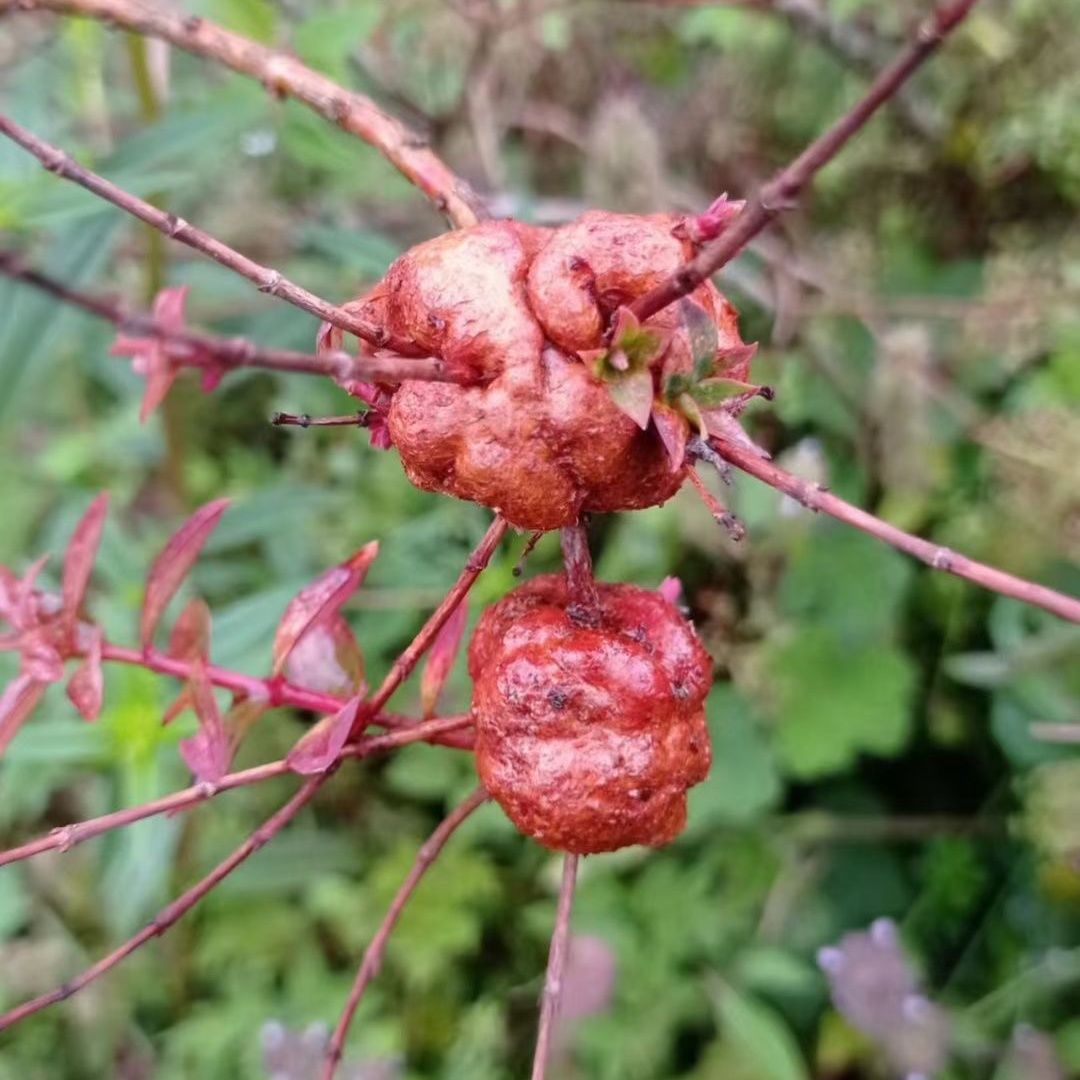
{"points": [[713, 392], [744, 781], [252, 18], [703, 338], [831, 700], [759, 1035], [826, 582]]}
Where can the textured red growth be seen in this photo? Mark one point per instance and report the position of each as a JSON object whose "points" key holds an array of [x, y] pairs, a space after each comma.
{"points": [[590, 726], [538, 436]]}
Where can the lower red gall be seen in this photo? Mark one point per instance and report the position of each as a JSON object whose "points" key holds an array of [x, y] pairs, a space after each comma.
{"points": [[589, 735]]}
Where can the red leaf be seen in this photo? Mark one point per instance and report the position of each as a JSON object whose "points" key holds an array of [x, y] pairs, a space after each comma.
{"points": [[190, 637], [173, 563], [81, 552], [319, 600], [327, 658], [84, 688], [441, 659], [16, 704], [150, 356], [674, 430], [319, 748], [207, 752], [40, 658]]}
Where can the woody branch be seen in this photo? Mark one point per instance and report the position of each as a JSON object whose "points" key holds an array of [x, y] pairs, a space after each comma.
{"points": [[817, 498], [369, 966], [782, 192], [200, 350], [266, 279], [284, 76]]}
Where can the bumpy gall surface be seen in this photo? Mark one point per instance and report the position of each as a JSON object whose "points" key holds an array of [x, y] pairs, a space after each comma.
{"points": [[537, 436], [590, 726]]}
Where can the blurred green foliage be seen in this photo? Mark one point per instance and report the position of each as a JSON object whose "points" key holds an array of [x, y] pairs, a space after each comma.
{"points": [[872, 720]]}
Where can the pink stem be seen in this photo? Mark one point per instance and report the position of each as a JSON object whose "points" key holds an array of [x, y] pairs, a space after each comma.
{"points": [[553, 983], [67, 836], [940, 558], [783, 190], [369, 967]]}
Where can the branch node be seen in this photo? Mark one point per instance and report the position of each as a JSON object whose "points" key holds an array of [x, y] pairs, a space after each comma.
{"points": [[271, 283], [67, 836], [174, 225], [942, 559]]}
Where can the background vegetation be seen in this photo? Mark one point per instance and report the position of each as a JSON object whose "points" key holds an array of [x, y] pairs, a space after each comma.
{"points": [[872, 721]]}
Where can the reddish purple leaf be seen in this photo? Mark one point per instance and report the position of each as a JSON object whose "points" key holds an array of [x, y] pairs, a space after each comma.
{"points": [[671, 590], [24, 612], [207, 753], [441, 659], [190, 636], [150, 356], [319, 600], [173, 564], [9, 594], [674, 430], [81, 552], [84, 688], [319, 748], [40, 658], [16, 704], [327, 658]]}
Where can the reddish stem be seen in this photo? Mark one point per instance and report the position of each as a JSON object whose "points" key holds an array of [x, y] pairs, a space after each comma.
{"points": [[265, 279], [783, 190], [285, 76], [720, 513], [174, 911], [553, 983], [405, 663], [373, 956], [190, 348], [67, 836], [940, 558]]}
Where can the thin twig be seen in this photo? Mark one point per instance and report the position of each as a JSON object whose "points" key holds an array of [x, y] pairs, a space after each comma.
{"points": [[400, 670], [783, 190], [267, 280], [404, 664], [195, 349], [66, 837], [814, 497], [720, 513], [284, 76], [177, 909], [854, 45], [373, 956], [553, 983]]}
